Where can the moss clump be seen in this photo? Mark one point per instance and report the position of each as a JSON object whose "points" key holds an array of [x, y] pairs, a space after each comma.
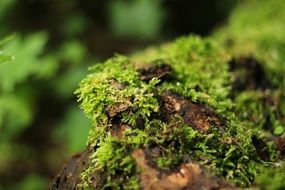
{"points": [[201, 81], [116, 84], [217, 102], [256, 43]]}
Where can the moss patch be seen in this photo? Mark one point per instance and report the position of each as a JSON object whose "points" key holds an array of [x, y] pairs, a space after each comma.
{"points": [[186, 118], [214, 105]]}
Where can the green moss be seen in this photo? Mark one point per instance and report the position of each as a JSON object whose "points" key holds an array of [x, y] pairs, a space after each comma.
{"points": [[98, 92], [198, 67], [260, 36], [271, 177], [201, 73]]}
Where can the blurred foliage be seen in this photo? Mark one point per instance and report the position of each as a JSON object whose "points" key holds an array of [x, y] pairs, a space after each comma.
{"points": [[41, 65], [24, 84], [31, 182], [140, 18], [27, 52], [271, 178], [4, 57], [76, 135]]}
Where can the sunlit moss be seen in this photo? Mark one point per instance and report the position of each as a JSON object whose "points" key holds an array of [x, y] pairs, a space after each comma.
{"points": [[201, 73], [197, 67]]}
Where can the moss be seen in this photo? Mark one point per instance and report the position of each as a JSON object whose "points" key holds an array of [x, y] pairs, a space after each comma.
{"points": [[259, 36], [200, 68], [260, 39], [271, 177], [197, 67], [197, 113], [99, 90]]}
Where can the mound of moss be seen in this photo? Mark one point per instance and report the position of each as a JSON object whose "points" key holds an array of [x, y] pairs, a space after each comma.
{"points": [[191, 114]]}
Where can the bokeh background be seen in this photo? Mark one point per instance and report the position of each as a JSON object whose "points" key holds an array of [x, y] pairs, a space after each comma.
{"points": [[53, 43]]}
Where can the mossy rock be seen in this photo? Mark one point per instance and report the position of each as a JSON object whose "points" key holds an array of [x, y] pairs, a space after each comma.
{"points": [[191, 114]]}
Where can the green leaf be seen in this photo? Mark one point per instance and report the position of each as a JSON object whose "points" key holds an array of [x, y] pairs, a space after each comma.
{"points": [[28, 60], [279, 130]]}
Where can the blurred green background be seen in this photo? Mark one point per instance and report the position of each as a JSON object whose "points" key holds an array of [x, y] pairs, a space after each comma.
{"points": [[47, 47]]}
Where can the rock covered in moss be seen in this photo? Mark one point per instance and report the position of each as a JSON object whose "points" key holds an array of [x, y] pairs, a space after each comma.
{"points": [[192, 114]]}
